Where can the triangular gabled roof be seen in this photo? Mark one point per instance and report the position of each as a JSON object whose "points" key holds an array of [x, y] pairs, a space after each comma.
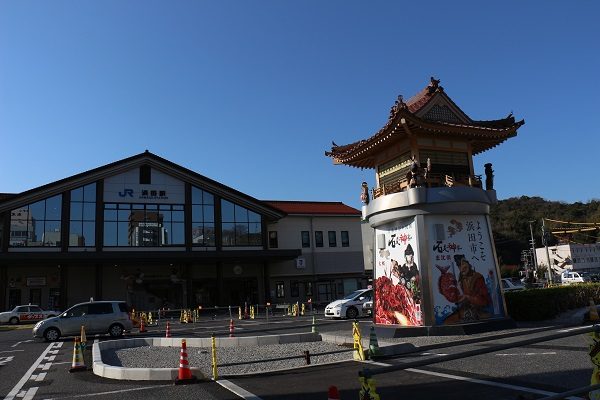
{"points": [[431, 111], [11, 201]]}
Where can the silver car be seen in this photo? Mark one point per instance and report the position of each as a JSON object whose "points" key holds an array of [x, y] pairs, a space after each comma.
{"points": [[98, 317]]}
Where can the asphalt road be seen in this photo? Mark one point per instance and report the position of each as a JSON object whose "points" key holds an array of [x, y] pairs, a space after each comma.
{"points": [[37, 370]]}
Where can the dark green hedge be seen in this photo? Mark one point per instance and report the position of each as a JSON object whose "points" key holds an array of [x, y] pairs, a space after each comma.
{"points": [[547, 303]]}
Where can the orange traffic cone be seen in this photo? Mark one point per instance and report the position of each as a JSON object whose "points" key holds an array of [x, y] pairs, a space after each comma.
{"points": [[142, 326], [332, 393], [78, 363], [168, 332], [185, 374], [231, 328]]}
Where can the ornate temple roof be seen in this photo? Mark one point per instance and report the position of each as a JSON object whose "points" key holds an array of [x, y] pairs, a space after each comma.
{"points": [[429, 112]]}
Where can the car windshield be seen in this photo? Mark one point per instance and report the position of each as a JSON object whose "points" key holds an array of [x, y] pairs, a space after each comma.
{"points": [[352, 295]]}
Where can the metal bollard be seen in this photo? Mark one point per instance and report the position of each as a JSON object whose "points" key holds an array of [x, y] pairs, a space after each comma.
{"points": [[214, 357], [307, 357]]}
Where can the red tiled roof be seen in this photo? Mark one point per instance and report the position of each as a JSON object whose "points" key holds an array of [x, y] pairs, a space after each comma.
{"points": [[313, 207], [484, 134]]}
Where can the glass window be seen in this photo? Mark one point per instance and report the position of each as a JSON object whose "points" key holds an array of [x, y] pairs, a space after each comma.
{"points": [[305, 238], [37, 224], [345, 239], [273, 243], [82, 226], [144, 225], [319, 238], [280, 290], [240, 226], [295, 289], [309, 288], [332, 238], [203, 217]]}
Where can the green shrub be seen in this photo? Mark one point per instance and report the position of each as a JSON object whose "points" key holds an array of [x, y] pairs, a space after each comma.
{"points": [[547, 303]]}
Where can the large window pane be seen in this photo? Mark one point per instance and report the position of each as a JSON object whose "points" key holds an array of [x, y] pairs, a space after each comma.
{"points": [[110, 233], [227, 213], [178, 233], [246, 225], [253, 217], [89, 211], [209, 213], [110, 215], [123, 234], [178, 216], [197, 213], [77, 194], [37, 210], [89, 194], [76, 211], [53, 208], [89, 234]]}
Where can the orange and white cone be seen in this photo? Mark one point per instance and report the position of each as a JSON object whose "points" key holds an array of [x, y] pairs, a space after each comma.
{"points": [[185, 374], [332, 393], [78, 363], [231, 328], [168, 332]]}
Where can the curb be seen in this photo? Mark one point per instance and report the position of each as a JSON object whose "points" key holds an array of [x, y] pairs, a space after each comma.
{"points": [[169, 374]]}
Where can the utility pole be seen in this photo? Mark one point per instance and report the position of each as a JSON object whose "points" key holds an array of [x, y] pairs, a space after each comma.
{"points": [[535, 265], [545, 243]]}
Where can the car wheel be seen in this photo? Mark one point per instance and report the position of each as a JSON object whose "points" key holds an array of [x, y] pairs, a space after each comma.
{"points": [[51, 334], [115, 330], [352, 313], [13, 320]]}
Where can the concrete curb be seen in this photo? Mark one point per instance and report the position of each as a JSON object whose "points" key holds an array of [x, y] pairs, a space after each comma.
{"points": [[170, 374]]}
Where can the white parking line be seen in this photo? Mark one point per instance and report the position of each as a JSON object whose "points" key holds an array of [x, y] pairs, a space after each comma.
{"points": [[526, 354], [10, 351], [479, 381], [105, 393], [488, 383], [23, 341], [238, 391], [15, 390]]}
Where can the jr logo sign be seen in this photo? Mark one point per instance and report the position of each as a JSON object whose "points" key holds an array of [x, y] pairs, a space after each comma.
{"points": [[126, 192]]}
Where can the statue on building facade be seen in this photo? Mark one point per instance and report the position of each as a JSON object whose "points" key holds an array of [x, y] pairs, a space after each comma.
{"points": [[489, 176], [364, 195]]}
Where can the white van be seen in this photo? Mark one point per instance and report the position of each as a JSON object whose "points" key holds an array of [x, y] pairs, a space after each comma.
{"points": [[568, 277]]}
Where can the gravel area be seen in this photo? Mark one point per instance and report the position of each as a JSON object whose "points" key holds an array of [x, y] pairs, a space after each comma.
{"points": [[200, 357]]}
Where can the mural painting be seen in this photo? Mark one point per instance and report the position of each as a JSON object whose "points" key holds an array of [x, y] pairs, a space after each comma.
{"points": [[398, 277], [465, 283]]}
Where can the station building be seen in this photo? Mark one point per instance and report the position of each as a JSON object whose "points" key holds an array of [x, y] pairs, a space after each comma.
{"points": [[153, 233]]}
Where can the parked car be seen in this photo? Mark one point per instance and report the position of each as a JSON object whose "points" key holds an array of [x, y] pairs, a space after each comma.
{"points": [[568, 277], [350, 306], [368, 307], [98, 317], [510, 285], [28, 313], [589, 276]]}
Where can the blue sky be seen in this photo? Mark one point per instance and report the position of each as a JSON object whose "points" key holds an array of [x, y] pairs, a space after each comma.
{"points": [[251, 93]]}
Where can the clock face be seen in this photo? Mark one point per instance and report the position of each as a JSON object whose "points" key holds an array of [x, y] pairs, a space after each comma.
{"points": [[237, 270]]}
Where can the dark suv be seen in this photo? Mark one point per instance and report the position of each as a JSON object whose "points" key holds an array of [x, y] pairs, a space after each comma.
{"points": [[98, 317]]}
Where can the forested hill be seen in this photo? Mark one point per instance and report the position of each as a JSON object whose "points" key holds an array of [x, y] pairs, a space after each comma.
{"points": [[510, 223]]}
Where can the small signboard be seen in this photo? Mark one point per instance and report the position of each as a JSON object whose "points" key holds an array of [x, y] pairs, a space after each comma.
{"points": [[36, 281]]}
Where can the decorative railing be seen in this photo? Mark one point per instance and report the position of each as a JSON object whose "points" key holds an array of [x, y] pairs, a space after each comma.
{"points": [[431, 180]]}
